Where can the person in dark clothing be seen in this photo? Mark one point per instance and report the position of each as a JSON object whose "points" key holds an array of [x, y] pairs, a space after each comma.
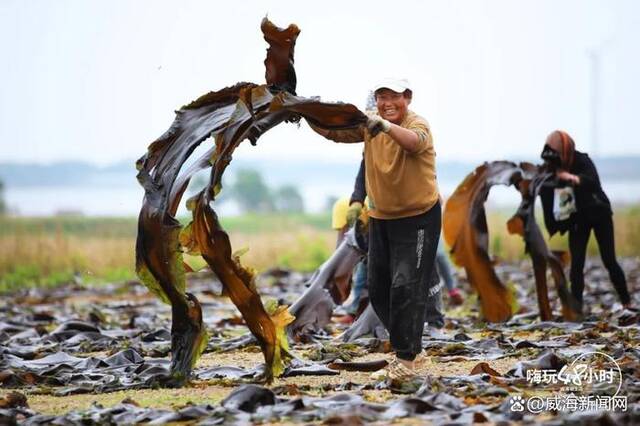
{"points": [[356, 203], [359, 189], [589, 210]]}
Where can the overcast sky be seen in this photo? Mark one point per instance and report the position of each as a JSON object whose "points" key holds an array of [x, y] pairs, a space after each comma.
{"points": [[98, 81]]}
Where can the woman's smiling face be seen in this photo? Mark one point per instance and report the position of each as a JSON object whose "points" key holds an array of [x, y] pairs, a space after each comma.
{"points": [[392, 106]]}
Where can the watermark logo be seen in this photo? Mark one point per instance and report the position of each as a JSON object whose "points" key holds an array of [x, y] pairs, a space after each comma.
{"points": [[517, 403], [591, 382]]}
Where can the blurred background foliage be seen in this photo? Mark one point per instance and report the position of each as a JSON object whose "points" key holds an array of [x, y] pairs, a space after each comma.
{"points": [[271, 223], [52, 250]]}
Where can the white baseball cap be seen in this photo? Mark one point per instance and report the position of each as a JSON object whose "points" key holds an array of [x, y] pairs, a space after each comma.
{"points": [[398, 85]]}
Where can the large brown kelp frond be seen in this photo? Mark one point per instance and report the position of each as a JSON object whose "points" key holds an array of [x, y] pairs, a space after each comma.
{"points": [[524, 223], [215, 247], [230, 116], [466, 232], [279, 70]]}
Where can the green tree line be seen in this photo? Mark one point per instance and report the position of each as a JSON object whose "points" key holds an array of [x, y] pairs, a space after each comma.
{"points": [[252, 194]]}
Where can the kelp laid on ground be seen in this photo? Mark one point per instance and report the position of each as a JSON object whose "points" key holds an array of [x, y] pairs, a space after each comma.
{"points": [[229, 116], [466, 232], [367, 323], [75, 341]]}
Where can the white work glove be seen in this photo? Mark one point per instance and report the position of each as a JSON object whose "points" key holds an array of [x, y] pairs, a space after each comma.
{"points": [[377, 124]]}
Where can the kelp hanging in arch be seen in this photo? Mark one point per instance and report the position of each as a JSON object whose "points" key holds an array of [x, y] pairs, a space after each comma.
{"points": [[229, 116], [466, 232]]}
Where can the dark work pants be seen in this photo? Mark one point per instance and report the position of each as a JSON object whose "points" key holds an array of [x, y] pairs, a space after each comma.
{"points": [[578, 239], [434, 314], [402, 253]]}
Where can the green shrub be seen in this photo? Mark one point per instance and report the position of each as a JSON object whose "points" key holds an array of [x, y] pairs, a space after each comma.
{"points": [[306, 256]]}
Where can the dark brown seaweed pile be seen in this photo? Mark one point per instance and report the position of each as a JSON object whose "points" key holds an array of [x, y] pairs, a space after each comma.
{"points": [[75, 340]]}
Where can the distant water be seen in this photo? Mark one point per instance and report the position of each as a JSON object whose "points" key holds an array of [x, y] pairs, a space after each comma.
{"points": [[126, 201]]}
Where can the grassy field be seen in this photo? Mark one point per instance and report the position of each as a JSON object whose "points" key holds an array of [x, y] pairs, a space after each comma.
{"points": [[509, 247], [48, 251]]}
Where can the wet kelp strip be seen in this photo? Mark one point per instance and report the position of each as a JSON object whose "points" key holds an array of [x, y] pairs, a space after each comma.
{"points": [[230, 116], [524, 224], [329, 286], [466, 232]]}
